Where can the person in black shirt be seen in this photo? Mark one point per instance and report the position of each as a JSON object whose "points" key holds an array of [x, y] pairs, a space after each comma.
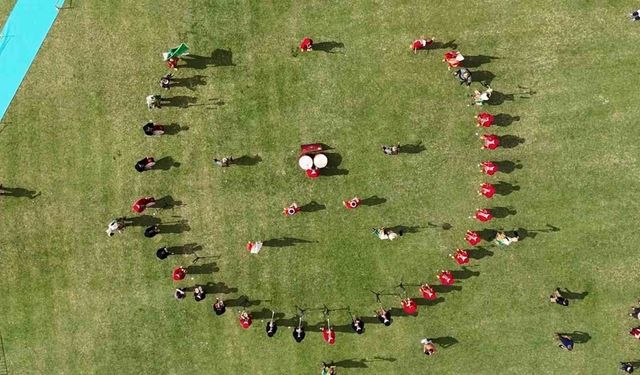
{"points": [[145, 164], [151, 231], [298, 333], [150, 128], [384, 316], [271, 328], [162, 253], [165, 81], [179, 294], [199, 294], [219, 307], [558, 298], [626, 367], [358, 325]]}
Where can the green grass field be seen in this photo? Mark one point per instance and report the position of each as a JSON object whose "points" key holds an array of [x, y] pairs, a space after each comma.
{"points": [[77, 302]]}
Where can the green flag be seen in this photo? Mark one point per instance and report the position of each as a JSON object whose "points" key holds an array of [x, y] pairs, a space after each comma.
{"points": [[176, 52]]}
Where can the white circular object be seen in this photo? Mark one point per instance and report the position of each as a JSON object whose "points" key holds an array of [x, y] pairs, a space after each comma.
{"points": [[305, 162], [320, 160]]}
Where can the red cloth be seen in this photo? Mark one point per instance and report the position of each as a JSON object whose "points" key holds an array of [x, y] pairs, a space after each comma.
{"points": [[428, 293], [329, 336], [450, 58], [472, 238], [306, 44], [461, 257], [351, 204], [484, 119], [409, 306], [491, 141], [245, 323], [179, 274], [483, 215], [141, 204], [450, 55], [313, 173], [489, 168], [446, 278], [487, 190]]}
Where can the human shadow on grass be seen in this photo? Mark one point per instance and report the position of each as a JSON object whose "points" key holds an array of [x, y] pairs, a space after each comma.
{"points": [[524, 232], [573, 295], [504, 119], [167, 202], [373, 201], [502, 212], [189, 82], [221, 288], [402, 229], [219, 57], [498, 98], [166, 163], [202, 269], [351, 363], [181, 101], [399, 313], [328, 46], [510, 141], [578, 337], [266, 313], [411, 148], [174, 228], [386, 359], [141, 221], [483, 76], [464, 273], [186, 249], [507, 166], [505, 188], [284, 242], [440, 289], [428, 302], [479, 253], [312, 206], [247, 161], [345, 328], [477, 60], [443, 226], [448, 45], [445, 341], [174, 129], [18, 192], [333, 162]]}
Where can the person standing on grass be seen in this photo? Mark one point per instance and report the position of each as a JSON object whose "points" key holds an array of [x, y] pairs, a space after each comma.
{"points": [[306, 44], [154, 101], [199, 294], [487, 189], [151, 128], [489, 168], [566, 342], [172, 63], [635, 15], [224, 162], [245, 319], [464, 76], [254, 247], [328, 335], [635, 332], [483, 215], [357, 325], [421, 43], [165, 81], [145, 164], [151, 231], [384, 316], [446, 278], [299, 334], [162, 253], [484, 119], [352, 203], [428, 292], [291, 210], [219, 307], [409, 306], [626, 367], [453, 59], [635, 312], [481, 97], [116, 225], [271, 328], [502, 239], [328, 369], [179, 273], [179, 294], [490, 141], [460, 256], [427, 346], [558, 298], [391, 150], [472, 238], [142, 204]]}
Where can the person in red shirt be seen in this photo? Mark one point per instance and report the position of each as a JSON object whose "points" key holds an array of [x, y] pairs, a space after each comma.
{"points": [[172, 63], [142, 204], [291, 210], [245, 319], [472, 238], [484, 119], [306, 44], [446, 278], [328, 335], [352, 203], [491, 141], [487, 190], [483, 214], [428, 292], [460, 256], [489, 168], [635, 332], [421, 43], [179, 274], [409, 306], [453, 59]]}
